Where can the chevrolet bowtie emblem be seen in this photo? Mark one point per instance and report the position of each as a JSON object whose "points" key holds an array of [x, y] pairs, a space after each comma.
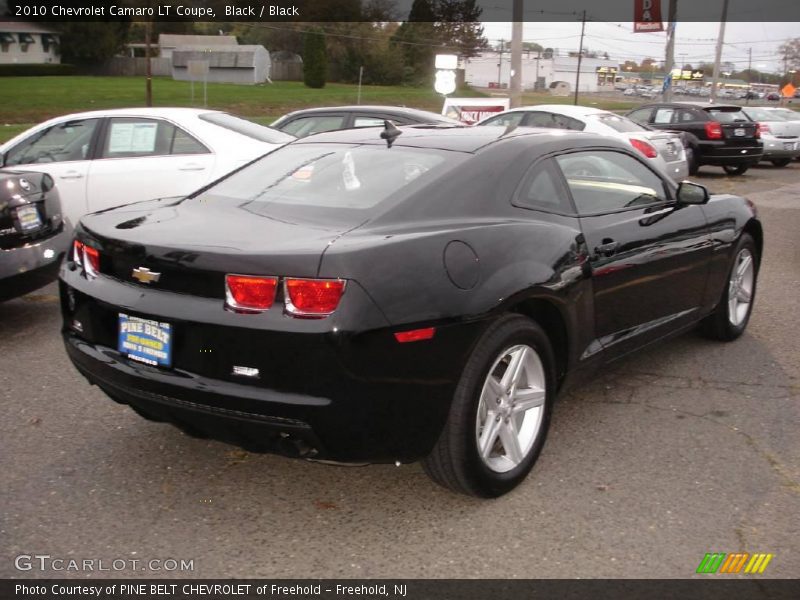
{"points": [[145, 275]]}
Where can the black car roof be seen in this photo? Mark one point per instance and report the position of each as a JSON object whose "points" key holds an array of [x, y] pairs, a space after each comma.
{"points": [[460, 139], [413, 113], [696, 104]]}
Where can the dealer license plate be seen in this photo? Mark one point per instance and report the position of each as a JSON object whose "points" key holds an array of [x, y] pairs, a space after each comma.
{"points": [[29, 218], [788, 145], [738, 131], [144, 340]]}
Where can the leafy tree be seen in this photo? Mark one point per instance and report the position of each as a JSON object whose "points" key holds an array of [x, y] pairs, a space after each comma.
{"points": [[92, 42], [413, 38], [458, 26], [315, 59], [790, 54]]}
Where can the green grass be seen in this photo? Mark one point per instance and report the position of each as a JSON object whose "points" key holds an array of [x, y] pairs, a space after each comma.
{"points": [[33, 99]]}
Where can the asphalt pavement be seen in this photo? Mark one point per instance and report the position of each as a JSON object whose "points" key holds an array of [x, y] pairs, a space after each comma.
{"points": [[687, 448]]}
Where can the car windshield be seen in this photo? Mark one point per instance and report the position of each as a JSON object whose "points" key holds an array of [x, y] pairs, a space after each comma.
{"points": [[759, 114], [247, 128], [340, 183], [620, 124], [727, 115]]}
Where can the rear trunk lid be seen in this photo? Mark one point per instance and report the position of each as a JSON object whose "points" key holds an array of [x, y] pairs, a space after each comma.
{"points": [[737, 128], [192, 243], [669, 145], [29, 208]]}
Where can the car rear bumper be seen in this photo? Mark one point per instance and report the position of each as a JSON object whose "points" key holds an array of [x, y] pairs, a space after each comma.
{"points": [[31, 266], [776, 148], [347, 397], [718, 154]]}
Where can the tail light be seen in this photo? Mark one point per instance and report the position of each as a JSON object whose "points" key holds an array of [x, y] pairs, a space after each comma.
{"points": [[761, 128], [713, 130], [91, 260], [250, 292], [87, 257], [647, 149], [415, 335], [77, 252], [313, 298]]}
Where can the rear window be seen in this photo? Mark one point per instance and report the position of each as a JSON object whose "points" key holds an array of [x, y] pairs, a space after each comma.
{"points": [[727, 115], [247, 128], [620, 124], [759, 114], [341, 183]]}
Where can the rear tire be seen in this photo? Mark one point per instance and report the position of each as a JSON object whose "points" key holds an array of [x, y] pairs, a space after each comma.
{"points": [[730, 318], [691, 161], [736, 170], [504, 397], [781, 162]]}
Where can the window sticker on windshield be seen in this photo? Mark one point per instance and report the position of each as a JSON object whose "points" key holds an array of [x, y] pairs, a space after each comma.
{"points": [[132, 137], [351, 182]]}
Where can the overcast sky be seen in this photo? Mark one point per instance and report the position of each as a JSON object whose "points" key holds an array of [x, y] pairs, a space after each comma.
{"points": [[695, 42]]}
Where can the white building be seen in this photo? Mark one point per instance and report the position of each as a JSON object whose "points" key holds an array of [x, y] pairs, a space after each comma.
{"points": [[167, 42], [540, 71], [28, 43], [247, 65]]}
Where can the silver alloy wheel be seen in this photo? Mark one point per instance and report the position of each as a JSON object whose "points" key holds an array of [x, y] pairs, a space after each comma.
{"points": [[740, 287], [511, 408]]}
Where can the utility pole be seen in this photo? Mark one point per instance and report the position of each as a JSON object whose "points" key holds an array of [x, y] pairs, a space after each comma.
{"points": [[580, 58], [669, 63], [516, 54], [148, 72], [749, 74], [500, 63], [718, 58]]}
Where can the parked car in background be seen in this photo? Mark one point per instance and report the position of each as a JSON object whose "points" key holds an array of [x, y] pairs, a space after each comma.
{"points": [[629, 92], [663, 149], [33, 239], [302, 123], [781, 138], [717, 134], [420, 297], [108, 158], [773, 97]]}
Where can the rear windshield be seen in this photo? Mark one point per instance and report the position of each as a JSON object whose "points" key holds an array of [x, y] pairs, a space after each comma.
{"points": [[247, 128], [759, 114], [727, 115], [340, 183], [620, 124]]}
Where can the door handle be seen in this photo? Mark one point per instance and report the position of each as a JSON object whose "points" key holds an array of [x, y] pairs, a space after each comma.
{"points": [[607, 248], [72, 175], [192, 167]]}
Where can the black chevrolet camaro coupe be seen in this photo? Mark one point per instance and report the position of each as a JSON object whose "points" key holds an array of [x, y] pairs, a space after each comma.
{"points": [[402, 294]]}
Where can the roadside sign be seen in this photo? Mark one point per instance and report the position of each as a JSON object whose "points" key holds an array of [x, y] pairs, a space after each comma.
{"points": [[472, 110]]}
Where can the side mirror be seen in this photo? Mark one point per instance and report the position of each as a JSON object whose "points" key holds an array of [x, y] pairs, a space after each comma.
{"points": [[692, 193]]}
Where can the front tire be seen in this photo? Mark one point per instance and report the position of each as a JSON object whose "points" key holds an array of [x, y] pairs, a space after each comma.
{"points": [[735, 169], [500, 413], [691, 161], [730, 318]]}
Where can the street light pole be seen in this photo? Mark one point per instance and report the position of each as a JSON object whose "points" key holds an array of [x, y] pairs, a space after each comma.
{"points": [[718, 57], [516, 54], [580, 57]]}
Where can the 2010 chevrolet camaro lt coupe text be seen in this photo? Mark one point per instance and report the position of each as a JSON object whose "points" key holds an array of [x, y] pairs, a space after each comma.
{"points": [[406, 294]]}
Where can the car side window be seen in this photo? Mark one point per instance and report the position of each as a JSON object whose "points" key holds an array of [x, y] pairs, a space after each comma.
{"points": [[607, 181], [542, 119], [685, 116], [542, 189], [663, 115], [303, 126], [60, 143], [563, 122], [506, 119], [641, 116], [369, 122], [133, 137]]}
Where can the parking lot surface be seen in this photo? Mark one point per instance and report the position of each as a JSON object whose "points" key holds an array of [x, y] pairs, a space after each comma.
{"points": [[687, 448]]}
